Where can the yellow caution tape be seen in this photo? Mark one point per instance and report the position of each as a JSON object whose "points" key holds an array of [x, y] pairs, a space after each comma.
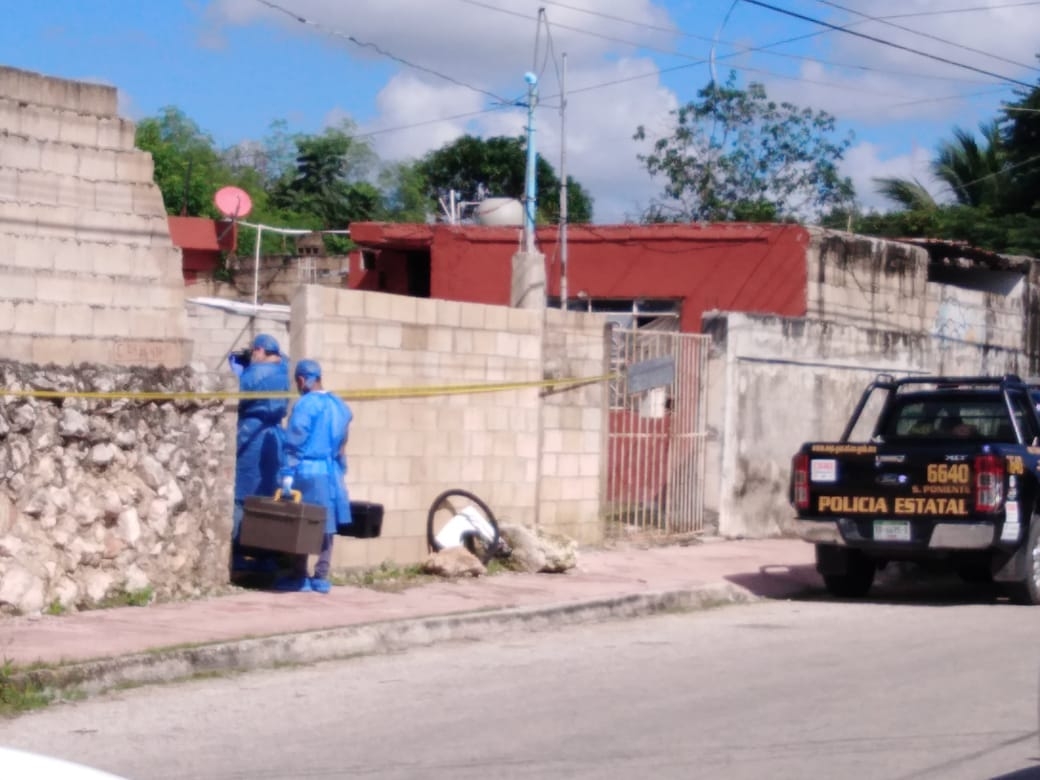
{"points": [[422, 391]]}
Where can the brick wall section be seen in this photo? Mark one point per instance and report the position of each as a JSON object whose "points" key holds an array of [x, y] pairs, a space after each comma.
{"points": [[573, 469], [87, 269], [215, 333], [403, 452]]}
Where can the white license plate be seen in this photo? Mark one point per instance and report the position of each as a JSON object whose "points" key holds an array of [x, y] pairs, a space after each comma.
{"points": [[892, 530]]}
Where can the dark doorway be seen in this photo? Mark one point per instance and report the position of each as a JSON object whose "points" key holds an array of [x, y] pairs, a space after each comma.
{"points": [[418, 270]]}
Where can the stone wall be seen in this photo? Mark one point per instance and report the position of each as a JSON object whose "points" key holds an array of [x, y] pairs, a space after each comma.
{"points": [[87, 268], [103, 498], [404, 452], [775, 383]]}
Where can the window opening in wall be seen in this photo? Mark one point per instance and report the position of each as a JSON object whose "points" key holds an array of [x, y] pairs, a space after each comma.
{"points": [[999, 282], [368, 260]]}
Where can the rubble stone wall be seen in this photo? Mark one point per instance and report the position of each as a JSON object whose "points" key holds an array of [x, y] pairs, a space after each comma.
{"points": [[102, 498]]}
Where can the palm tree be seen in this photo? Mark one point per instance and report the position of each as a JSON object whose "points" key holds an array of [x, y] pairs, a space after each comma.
{"points": [[910, 194], [974, 172]]}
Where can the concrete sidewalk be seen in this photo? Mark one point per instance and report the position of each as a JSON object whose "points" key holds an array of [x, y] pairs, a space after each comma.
{"points": [[254, 629]]}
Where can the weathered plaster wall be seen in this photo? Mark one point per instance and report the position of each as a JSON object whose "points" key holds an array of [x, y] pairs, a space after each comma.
{"points": [[775, 383], [874, 283], [87, 268]]}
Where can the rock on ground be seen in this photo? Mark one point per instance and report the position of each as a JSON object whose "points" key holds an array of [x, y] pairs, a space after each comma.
{"points": [[535, 550]]}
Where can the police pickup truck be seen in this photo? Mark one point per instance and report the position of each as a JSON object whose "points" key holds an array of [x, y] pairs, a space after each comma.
{"points": [[949, 472]]}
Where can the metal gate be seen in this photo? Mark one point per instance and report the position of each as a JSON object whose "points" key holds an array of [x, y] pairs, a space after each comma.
{"points": [[656, 434]]}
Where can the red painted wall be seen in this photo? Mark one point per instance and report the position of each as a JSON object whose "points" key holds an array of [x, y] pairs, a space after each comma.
{"points": [[730, 267]]}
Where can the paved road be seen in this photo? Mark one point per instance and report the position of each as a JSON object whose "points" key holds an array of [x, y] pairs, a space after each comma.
{"points": [[901, 689]]}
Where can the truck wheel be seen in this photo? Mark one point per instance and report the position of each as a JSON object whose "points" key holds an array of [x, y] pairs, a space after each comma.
{"points": [[855, 582], [1028, 591]]}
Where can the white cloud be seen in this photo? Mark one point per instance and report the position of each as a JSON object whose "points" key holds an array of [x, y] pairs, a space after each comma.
{"points": [[898, 102], [865, 162], [490, 50]]}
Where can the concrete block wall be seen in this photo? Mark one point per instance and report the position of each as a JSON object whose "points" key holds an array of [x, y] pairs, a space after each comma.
{"points": [[574, 426], [215, 332], [87, 269], [775, 383], [403, 452]]}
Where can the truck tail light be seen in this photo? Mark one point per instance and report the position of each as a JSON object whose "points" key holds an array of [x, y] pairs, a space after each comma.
{"points": [[800, 481], [989, 482]]}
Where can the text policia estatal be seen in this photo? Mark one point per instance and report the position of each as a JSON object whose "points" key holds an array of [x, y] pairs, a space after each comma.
{"points": [[880, 505]]}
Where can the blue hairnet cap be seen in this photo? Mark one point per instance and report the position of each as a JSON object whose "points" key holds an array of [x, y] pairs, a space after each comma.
{"points": [[308, 369], [267, 343]]}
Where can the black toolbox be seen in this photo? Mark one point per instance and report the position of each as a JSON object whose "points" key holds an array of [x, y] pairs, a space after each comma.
{"points": [[288, 526], [366, 520]]}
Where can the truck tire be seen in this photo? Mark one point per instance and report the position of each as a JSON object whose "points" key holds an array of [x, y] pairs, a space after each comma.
{"points": [[1028, 591], [855, 582]]}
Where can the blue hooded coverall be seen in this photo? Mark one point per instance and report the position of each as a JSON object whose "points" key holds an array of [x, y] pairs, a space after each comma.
{"points": [[317, 430], [260, 434]]}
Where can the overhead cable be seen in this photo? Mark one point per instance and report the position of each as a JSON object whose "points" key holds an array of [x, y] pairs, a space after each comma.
{"points": [[379, 49], [945, 41], [883, 42]]}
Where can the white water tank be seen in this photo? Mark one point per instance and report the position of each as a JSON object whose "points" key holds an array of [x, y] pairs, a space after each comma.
{"points": [[500, 212]]}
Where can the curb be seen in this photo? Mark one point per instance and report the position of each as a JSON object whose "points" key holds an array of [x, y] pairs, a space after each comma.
{"points": [[250, 654]]}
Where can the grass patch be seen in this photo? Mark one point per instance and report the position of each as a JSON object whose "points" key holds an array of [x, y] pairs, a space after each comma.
{"points": [[55, 608], [388, 576], [128, 598], [18, 694]]}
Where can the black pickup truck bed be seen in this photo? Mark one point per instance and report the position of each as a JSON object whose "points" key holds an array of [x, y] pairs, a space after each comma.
{"points": [[950, 472]]}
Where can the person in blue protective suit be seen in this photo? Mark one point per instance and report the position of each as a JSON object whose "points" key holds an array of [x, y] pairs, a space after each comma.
{"points": [[260, 439], [316, 466]]}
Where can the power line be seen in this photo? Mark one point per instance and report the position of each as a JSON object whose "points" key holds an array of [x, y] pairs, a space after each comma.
{"points": [[380, 50], [765, 49], [438, 120], [883, 42], [923, 34], [960, 10]]}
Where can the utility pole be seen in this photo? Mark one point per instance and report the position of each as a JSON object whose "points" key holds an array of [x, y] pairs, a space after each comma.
{"points": [[563, 185], [531, 199]]}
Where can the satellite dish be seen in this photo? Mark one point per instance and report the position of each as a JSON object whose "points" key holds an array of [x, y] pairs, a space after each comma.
{"points": [[233, 202]]}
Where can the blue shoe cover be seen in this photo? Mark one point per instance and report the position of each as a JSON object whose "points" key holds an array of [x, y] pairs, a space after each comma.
{"points": [[293, 584], [320, 585]]}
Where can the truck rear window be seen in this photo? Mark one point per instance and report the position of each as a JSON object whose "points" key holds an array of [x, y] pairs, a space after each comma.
{"points": [[967, 418]]}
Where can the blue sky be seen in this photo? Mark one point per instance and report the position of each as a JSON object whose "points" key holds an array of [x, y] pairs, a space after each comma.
{"points": [[234, 66]]}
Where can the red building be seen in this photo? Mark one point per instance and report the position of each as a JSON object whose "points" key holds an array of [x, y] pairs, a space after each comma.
{"points": [[201, 241], [679, 269]]}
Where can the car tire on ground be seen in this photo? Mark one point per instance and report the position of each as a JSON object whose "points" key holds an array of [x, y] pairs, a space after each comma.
{"points": [[1028, 591]]}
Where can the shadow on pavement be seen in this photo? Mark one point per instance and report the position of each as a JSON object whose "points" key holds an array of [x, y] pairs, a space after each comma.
{"points": [[893, 586]]}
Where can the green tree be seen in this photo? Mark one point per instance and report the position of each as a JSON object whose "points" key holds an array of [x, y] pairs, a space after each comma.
{"points": [[405, 193], [975, 173], [188, 168], [1021, 138], [498, 166], [329, 180], [736, 155]]}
